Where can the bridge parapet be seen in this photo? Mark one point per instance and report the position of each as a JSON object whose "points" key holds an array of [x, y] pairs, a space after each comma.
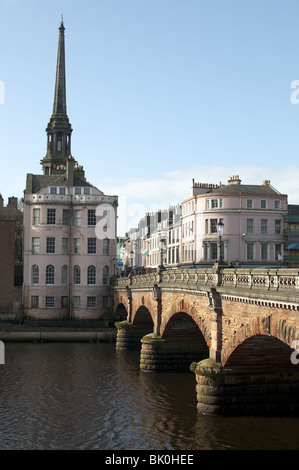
{"points": [[286, 281]]}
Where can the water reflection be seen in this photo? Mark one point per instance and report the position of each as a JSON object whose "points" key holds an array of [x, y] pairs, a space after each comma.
{"points": [[90, 396]]}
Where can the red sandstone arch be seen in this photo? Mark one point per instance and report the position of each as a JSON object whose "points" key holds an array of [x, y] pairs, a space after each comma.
{"points": [[143, 318], [121, 312], [267, 326], [261, 351], [190, 309]]}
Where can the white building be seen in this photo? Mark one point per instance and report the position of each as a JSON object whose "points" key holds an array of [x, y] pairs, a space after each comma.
{"points": [[69, 227]]}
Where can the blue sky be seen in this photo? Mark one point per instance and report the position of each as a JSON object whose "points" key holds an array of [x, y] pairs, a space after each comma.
{"points": [[158, 92]]}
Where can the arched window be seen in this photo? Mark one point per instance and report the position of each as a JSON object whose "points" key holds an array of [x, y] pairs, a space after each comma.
{"points": [[77, 275], [105, 275], [64, 271], [35, 275], [91, 275], [50, 274]]}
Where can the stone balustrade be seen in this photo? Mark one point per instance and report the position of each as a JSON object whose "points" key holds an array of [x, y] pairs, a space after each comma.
{"points": [[286, 281]]}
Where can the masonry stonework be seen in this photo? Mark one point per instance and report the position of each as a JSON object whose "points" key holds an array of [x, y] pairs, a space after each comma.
{"points": [[234, 330]]}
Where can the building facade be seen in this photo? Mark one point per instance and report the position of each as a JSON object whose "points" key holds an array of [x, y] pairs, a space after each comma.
{"points": [[10, 260], [69, 227], [253, 224]]}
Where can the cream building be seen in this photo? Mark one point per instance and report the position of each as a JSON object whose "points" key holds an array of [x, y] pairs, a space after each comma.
{"points": [[69, 227]]}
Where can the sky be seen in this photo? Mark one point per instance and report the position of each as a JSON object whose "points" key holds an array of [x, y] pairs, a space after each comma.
{"points": [[158, 92]]}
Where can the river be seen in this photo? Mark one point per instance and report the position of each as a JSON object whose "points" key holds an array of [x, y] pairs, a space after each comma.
{"points": [[76, 396]]}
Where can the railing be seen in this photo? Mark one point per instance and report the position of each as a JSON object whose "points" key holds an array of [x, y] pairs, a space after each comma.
{"points": [[285, 280]]}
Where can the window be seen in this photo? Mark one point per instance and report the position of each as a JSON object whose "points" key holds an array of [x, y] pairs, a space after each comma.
{"points": [[77, 246], [249, 226], [35, 275], [277, 204], [49, 301], [91, 275], [249, 203], [53, 190], [106, 246], [263, 204], [36, 217], [278, 251], [64, 272], [91, 246], [77, 275], [213, 250], [51, 216], [214, 203], [50, 247], [278, 227], [250, 251], [34, 301], [64, 301], [206, 226], [65, 217], [77, 218], [264, 226], [35, 245], [105, 275], [91, 302], [78, 191], [50, 274], [91, 217], [264, 251], [65, 246], [87, 191], [213, 225], [76, 301], [62, 190]]}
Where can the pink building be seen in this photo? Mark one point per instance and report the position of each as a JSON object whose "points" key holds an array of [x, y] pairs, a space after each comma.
{"points": [[253, 218], [69, 227]]}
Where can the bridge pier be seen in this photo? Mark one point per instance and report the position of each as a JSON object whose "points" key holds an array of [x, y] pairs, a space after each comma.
{"points": [[129, 336], [169, 354], [240, 391]]}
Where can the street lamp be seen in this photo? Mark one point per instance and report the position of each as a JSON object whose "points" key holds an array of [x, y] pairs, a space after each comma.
{"points": [[131, 257], [220, 227], [161, 245]]}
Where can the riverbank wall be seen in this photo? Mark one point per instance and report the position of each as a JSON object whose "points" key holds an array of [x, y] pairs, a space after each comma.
{"points": [[37, 332]]}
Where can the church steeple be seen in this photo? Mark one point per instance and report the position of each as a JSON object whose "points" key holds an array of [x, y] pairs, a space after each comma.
{"points": [[59, 129]]}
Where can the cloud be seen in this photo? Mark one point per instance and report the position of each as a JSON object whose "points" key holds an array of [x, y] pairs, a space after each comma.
{"points": [[138, 196]]}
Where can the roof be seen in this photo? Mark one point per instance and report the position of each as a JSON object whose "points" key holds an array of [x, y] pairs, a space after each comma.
{"points": [[246, 189], [35, 183]]}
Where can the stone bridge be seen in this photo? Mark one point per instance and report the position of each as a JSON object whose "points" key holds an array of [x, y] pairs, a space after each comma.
{"points": [[236, 329]]}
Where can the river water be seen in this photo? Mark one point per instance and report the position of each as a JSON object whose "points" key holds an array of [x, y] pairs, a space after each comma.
{"points": [[73, 396]]}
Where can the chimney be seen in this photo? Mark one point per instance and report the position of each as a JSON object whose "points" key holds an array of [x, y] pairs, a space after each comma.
{"points": [[70, 163], [13, 202], [234, 180]]}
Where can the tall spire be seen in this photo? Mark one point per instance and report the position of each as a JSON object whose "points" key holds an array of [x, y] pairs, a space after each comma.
{"points": [[60, 90], [59, 129]]}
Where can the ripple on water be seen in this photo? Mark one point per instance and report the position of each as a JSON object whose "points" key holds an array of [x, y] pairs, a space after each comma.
{"points": [[89, 396]]}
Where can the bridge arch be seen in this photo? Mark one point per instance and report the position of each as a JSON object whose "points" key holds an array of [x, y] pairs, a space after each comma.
{"points": [[120, 313], [190, 308], [266, 326], [261, 351], [143, 319]]}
